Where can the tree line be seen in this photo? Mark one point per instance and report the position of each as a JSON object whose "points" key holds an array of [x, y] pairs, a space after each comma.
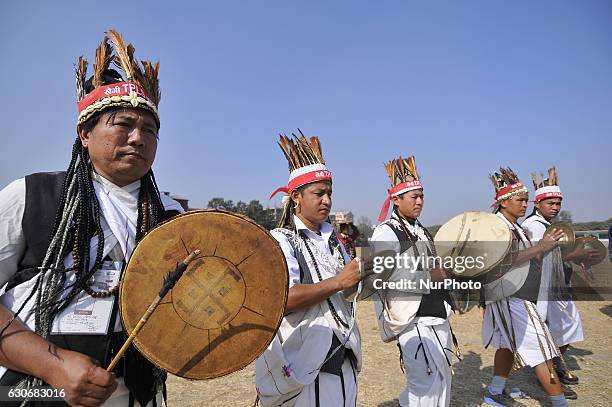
{"points": [[268, 218]]}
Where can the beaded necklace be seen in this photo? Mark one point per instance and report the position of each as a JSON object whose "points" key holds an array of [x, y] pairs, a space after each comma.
{"points": [[115, 288], [335, 315]]}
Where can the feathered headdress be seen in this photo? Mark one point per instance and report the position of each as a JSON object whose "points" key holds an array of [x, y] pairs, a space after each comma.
{"points": [[404, 177], [506, 184], [547, 187], [306, 163], [139, 88]]}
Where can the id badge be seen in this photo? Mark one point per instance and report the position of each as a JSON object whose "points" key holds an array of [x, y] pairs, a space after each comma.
{"points": [[87, 315]]}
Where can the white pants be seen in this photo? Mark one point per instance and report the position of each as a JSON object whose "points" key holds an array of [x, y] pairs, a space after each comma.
{"points": [[423, 389], [532, 338], [564, 322], [332, 393]]}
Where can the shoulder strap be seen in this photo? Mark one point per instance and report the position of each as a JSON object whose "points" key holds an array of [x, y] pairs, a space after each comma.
{"points": [[536, 218], [305, 276], [518, 235], [404, 239]]}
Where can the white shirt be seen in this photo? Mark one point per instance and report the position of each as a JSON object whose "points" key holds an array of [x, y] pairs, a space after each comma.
{"points": [[515, 226], [12, 207], [12, 240], [534, 228], [321, 241]]}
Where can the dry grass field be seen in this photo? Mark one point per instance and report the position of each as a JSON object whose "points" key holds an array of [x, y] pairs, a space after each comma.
{"points": [[381, 379]]}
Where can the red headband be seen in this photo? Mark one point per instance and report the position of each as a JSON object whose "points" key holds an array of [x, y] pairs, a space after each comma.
{"points": [[397, 190], [552, 191], [317, 175], [506, 192], [116, 94], [108, 91]]}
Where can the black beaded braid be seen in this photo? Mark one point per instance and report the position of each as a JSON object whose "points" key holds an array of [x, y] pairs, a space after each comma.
{"points": [[286, 219], [413, 238], [84, 225], [429, 237], [400, 218]]}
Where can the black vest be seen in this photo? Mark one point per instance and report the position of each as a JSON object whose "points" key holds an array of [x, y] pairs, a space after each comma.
{"points": [[43, 193], [432, 304]]}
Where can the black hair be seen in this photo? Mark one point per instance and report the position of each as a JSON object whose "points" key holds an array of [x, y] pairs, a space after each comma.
{"points": [[286, 220]]}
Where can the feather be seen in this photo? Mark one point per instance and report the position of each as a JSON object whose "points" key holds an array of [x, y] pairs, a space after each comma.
{"points": [[495, 181], [534, 178], [390, 171], [508, 176], [301, 146], [122, 58], [289, 146], [299, 150], [136, 71], [104, 56], [552, 176], [413, 167], [399, 171], [292, 149], [80, 73], [317, 150], [287, 156], [151, 81], [286, 151]]}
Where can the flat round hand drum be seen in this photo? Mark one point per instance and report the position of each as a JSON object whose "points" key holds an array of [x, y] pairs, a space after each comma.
{"points": [[472, 235], [226, 308]]}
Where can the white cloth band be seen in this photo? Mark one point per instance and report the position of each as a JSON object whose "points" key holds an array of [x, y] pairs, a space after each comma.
{"points": [[304, 170], [545, 190]]}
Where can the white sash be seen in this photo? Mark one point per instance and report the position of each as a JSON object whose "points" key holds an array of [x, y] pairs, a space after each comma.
{"points": [[120, 219]]}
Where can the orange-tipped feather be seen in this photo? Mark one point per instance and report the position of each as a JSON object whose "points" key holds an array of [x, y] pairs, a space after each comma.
{"points": [[104, 56], [122, 57], [81, 74]]}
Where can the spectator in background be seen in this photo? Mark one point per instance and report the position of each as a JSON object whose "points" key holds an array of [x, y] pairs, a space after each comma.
{"points": [[348, 237]]}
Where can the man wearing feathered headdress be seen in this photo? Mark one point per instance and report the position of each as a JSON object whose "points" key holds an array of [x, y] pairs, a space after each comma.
{"points": [[66, 237], [415, 315], [315, 356], [511, 321], [561, 315]]}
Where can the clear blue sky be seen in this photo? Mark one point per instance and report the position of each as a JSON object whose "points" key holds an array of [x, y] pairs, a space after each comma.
{"points": [[464, 86]]}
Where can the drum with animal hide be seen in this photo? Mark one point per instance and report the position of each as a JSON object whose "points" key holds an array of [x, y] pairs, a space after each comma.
{"points": [[227, 306]]}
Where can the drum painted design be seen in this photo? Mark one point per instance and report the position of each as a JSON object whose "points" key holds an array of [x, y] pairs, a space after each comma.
{"points": [[227, 307]]}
